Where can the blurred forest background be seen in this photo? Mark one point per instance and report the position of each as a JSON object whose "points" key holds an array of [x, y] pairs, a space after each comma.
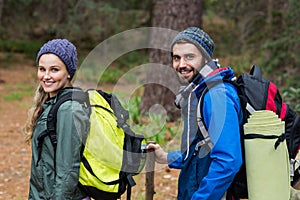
{"points": [[246, 32]]}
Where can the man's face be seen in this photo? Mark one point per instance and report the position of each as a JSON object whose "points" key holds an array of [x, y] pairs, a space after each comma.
{"points": [[187, 60]]}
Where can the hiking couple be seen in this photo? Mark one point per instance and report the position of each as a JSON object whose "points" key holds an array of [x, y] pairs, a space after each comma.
{"points": [[205, 173]]}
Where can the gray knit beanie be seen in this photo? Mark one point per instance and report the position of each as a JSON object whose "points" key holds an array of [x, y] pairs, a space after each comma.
{"points": [[197, 37], [64, 49]]}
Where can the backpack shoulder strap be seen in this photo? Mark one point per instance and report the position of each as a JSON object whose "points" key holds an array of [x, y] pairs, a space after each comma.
{"points": [[121, 114], [52, 118], [79, 96], [206, 141]]}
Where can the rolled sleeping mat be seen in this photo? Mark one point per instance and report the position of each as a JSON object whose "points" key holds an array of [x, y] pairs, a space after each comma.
{"points": [[267, 168]]}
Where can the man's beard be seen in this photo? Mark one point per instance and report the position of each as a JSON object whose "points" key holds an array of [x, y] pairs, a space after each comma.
{"points": [[183, 81]]}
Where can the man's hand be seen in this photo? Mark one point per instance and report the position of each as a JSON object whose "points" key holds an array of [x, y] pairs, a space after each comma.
{"points": [[160, 154]]}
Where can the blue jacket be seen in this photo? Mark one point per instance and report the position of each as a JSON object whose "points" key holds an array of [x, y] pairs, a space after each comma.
{"points": [[208, 174]]}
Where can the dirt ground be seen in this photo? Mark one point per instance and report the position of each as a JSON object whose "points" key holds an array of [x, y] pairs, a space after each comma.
{"points": [[15, 155]]}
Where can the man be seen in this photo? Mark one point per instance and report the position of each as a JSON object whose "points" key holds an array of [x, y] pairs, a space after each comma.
{"points": [[208, 166]]}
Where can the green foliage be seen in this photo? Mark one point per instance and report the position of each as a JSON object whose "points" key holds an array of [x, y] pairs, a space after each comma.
{"points": [[132, 59], [284, 49], [100, 19], [246, 32], [29, 48], [18, 92], [13, 96], [265, 33], [284, 60], [154, 130], [111, 76], [134, 110], [291, 96], [7, 58], [154, 127], [115, 70], [86, 23]]}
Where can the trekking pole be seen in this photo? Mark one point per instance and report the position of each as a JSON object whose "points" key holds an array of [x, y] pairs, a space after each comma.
{"points": [[150, 164]]}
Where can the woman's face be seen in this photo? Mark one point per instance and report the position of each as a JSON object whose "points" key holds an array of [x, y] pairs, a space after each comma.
{"points": [[52, 74]]}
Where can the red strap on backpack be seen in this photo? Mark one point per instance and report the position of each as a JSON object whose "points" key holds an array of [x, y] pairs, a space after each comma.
{"points": [[271, 103]]}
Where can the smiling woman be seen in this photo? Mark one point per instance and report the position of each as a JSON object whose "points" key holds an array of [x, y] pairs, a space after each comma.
{"points": [[52, 74], [55, 172]]}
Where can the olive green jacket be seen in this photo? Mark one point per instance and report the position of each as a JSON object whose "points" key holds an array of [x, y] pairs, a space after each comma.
{"points": [[62, 182]]}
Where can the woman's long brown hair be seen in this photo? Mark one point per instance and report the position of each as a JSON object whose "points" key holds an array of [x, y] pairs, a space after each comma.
{"points": [[34, 113]]}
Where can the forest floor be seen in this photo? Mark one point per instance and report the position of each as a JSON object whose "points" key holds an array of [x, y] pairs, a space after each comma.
{"points": [[15, 154]]}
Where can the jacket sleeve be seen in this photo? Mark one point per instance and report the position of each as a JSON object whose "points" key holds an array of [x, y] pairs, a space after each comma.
{"points": [[175, 159], [221, 110], [72, 124]]}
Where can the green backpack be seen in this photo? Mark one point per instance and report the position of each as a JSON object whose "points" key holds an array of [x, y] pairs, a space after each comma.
{"points": [[112, 153]]}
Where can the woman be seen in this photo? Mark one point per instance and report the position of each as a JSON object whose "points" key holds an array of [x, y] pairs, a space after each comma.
{"points": [[54, 175]]}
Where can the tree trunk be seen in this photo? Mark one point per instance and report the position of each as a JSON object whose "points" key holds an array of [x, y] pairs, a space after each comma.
{"points": [[176, 15], [61, 18], [1, 10], [150, 165]]}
